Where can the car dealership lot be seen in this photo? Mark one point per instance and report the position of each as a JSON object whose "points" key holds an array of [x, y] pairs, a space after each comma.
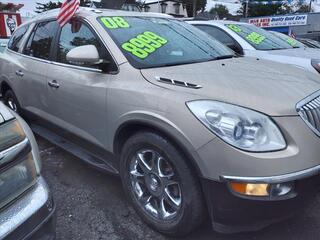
{"points": [[92, 205]]}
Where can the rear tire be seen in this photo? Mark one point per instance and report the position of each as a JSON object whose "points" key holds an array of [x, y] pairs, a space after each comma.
{"points": [[163, 189], [11, 101]]}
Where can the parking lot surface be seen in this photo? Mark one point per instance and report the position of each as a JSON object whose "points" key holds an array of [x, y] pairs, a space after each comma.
{"points": [[92, 205]]}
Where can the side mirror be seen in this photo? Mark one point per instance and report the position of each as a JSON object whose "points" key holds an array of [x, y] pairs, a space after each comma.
{"points": [[235, 48], [86, 55]]}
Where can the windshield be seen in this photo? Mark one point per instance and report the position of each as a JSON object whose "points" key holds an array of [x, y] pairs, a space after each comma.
{"points": [[156, 42], [259, 38], [293, 42]]}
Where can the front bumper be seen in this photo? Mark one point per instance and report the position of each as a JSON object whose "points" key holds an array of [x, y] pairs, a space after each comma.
{"points": [[32, 216], [231, 213]]}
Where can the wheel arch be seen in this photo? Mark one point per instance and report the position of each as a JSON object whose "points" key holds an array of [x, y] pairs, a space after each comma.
{"points": [[131, 127], [5, 86]]}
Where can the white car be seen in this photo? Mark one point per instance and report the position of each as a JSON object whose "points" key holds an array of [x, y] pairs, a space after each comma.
{"points": [[3, 44], [249, 40]]}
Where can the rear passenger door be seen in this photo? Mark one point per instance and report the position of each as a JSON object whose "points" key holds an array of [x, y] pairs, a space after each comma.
{"points": [[34, 64]]}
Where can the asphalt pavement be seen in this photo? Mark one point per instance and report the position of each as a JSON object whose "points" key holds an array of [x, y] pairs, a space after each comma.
{"points": [[91, 206]]}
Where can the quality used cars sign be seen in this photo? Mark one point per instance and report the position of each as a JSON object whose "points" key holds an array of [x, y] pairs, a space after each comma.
{"points": [[280, 21]]}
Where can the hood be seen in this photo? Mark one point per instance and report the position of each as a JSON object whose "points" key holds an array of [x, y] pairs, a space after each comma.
{"points": [[265, 86], [310, 53], [299, 57]]}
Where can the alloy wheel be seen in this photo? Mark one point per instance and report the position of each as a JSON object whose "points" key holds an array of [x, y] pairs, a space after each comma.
{"points": [[12, 104], [155, 184]]}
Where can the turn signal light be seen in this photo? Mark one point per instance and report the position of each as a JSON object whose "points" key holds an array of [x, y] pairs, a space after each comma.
{"points": [[250, 189], [262, 189]]}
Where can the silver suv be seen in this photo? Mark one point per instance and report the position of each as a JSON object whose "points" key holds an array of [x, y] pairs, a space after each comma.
{"points": [[193, 130], [27, 210]]}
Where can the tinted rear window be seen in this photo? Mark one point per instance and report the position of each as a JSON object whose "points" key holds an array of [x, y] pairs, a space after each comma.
{"points": [[154, 42], [40, 40]]}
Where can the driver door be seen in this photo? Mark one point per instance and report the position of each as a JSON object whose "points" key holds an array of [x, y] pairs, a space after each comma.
{"points": [[77, 95]]}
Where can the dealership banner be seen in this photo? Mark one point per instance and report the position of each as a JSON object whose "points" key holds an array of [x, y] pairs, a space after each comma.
{"points": [[280, 21], [8, 23]]}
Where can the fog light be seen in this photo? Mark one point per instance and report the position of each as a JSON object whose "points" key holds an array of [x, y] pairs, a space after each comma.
{"points": [[262, 189]]}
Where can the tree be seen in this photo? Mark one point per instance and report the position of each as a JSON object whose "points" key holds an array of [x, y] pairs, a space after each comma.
{"points": [[261, 9], [220, 10], [303, 8], [43, 7], [194, 5]]}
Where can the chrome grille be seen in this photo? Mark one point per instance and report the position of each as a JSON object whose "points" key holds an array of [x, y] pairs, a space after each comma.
{"points": [[309, 111]]}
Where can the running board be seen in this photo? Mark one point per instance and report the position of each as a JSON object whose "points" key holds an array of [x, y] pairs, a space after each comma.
{"points": [[74, 149]]}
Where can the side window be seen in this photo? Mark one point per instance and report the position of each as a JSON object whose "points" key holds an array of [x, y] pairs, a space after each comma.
{"points": [[40, 40], [221, 36], [16, 40], [76, 34]]}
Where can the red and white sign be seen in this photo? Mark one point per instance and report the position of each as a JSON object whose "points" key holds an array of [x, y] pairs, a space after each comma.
{"points": [[280, 21], [8, 23]]}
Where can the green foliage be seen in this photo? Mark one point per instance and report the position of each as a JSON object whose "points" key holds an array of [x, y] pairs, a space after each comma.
{"points": [[256, 10], [220, 10], [43, 7], [200, 5], [303, 8]]}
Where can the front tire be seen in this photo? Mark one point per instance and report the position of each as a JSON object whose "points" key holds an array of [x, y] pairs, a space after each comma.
{"points": [[163, 189]]}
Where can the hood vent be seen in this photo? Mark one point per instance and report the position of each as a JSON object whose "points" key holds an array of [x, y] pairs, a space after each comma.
{"points": [[178, 83]]}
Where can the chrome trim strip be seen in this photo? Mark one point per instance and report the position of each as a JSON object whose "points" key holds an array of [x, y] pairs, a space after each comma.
{"points": [[307, 99], [275, 179], [77, 67], [12, 150], [56, 63], [176, 83]]}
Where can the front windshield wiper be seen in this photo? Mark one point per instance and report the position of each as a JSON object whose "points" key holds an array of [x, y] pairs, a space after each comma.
{"points": [[276, 49], [224, 57]]}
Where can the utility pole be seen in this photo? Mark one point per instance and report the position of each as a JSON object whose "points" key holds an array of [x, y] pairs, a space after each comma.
{"points": [[246, 11], [194, 12], [310, 6]]}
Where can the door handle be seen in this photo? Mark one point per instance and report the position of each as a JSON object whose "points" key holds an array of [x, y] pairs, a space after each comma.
{"points": [[19, 73], [54, 84]]}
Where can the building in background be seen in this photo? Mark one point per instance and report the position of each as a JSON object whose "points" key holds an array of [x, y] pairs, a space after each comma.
{"points": [[174, 8], [10, 18]]}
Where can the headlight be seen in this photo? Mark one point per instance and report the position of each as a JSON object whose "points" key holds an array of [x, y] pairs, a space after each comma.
{"points": [[240, 127], [11, 133], [316, 64]]}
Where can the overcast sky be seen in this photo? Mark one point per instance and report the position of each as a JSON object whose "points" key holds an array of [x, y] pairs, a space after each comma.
{"points": [[29, 5]]}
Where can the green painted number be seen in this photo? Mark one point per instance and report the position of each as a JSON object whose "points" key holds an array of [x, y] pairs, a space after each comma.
{"points": [[114, 22], [156, 37], [152, 42], [255, 38], [292, 42], [138, 52], [234, 28], [144, 44]]}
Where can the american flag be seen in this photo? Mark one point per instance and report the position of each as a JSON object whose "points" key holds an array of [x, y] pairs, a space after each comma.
{"points": [[68, 9]]}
